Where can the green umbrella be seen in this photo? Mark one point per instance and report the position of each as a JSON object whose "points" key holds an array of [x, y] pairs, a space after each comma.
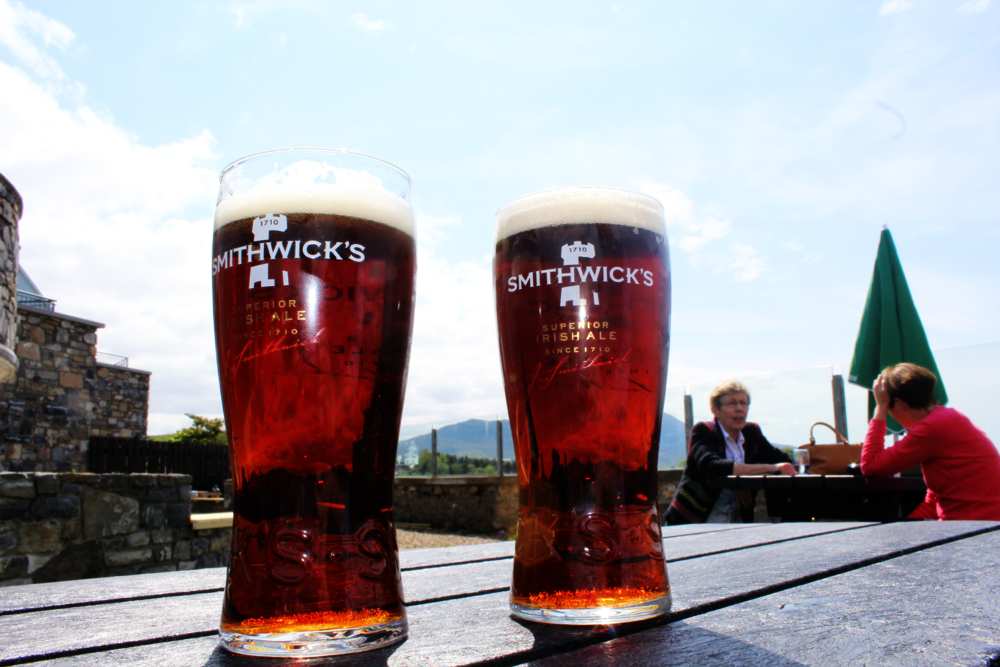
{"points": [[891, 332]]}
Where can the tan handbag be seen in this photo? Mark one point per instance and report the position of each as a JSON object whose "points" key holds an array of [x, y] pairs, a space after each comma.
{"points": [[830, 459]]}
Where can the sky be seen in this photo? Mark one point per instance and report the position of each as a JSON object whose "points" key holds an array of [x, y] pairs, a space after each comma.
{"points": [[780, 137]]}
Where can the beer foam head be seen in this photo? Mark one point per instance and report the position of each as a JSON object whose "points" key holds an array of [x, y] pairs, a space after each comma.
{"points": [[311, 187], [579, 205]]}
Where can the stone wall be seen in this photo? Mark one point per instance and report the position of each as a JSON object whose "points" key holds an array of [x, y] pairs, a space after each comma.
{"points": [[666, 487], [57, 527], [61, 396], [10, 214], [485, 505]]}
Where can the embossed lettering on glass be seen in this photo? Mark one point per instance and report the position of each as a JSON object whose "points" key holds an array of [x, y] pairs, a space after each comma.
{"points": [[312, 273], [582, 279]]}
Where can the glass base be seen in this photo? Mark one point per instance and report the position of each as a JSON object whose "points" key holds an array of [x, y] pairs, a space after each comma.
{"points": [[315, 643], [595, 615]]}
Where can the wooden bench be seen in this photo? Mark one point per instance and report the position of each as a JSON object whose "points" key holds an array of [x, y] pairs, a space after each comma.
{"points": [[212, 520], [836, 497], [207, 505], [908, 593]]}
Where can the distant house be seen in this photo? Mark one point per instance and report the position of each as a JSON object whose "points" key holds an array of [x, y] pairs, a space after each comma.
{"points": [[64, 391], [28, 294], [410, 458]]}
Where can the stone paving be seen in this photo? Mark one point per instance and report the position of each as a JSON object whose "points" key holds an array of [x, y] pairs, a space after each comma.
{"points": [[420, 539]]}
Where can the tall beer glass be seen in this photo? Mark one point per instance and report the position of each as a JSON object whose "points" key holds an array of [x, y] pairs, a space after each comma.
{"points": [[313, 265], [582, 281]]}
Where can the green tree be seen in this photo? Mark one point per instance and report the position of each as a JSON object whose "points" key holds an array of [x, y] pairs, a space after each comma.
{"points": [[423, 467], [451, 464], [203, 431]]}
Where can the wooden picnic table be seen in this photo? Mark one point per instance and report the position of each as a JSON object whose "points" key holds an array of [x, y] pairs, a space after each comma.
{"points": [[905, 593], [839, 497]]}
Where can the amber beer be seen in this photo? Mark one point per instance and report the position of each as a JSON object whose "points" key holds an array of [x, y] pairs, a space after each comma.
{"points": [[313, 265], [583, 309]]}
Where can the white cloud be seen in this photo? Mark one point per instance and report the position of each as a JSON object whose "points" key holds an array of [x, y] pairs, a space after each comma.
{"points": [[974, 6], [894, 6], [431, 230], [744, 261], [691, 230], [245, 12], [794, 246], [455, 363], [688, 229], [20, 27], [952, 303], [362, 21], [117, 232]]}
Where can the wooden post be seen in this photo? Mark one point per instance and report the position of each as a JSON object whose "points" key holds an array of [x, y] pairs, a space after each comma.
{"points": [[434, 452], [688, 420], [499, 447], [840, 406]]}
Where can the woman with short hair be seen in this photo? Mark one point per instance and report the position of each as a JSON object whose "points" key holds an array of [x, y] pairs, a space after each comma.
{"points": [[727, 445], [961, 465]]}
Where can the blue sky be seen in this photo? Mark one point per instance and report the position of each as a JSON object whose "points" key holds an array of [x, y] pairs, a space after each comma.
{"points": [[780, 136]]}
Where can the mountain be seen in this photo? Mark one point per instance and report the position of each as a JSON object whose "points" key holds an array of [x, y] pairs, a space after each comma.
{"points": [[473, 438], [478, 439], [673, 447]]}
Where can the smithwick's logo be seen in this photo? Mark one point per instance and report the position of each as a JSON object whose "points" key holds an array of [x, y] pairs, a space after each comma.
{"points": [[263, 248], [571, 255], [265, 224], [576, 274], [262, 228]]}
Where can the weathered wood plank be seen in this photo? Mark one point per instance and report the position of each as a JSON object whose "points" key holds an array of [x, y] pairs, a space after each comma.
{"points": [[694, 544], [412, 559], [702, 544], [701, 528], [42, 596], [471, 629], [705, 581], [933, 607], [82, 627], [84, 591], [46, 632]]}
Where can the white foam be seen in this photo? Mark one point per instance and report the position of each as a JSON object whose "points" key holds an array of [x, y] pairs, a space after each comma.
{"points": [[355, 194], [577, 205]]}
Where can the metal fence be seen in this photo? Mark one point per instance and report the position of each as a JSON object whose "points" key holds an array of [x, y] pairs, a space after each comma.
{"points": [[112, 359], [785, 404], [35, 301], [208, 465]]}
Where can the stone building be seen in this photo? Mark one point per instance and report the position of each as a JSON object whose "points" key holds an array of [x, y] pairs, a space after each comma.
{"points": [[64, 391]]}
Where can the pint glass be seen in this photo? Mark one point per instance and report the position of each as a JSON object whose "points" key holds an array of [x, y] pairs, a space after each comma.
{"points": [[312, 272], [582, 278]]}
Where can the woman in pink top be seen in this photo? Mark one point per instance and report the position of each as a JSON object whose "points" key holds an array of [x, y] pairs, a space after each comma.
{"points": [[961, 466]]}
